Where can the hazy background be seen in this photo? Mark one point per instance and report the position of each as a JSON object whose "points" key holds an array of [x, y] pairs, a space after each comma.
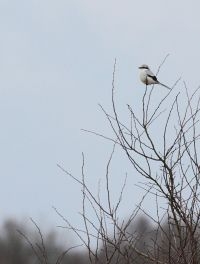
{"points": [[56, 63]]}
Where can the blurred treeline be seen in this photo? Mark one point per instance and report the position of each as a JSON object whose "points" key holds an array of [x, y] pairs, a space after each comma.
{"points": [[16, 249], [18, 242]]}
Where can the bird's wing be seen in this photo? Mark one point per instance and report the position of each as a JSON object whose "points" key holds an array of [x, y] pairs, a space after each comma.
{"points": [[152, 75]]}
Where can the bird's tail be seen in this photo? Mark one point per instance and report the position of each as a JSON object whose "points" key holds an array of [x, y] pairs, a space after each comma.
{"points": [[165, 86]]}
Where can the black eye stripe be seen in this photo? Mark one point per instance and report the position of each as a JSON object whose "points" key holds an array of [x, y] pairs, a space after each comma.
{"points": [[144, 66]]}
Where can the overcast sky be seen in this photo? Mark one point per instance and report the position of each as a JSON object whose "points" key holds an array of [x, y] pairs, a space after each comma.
{"points": [[56, 63]]}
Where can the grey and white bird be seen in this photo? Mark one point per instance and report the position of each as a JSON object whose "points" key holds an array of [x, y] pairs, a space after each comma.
{"points": [[148, 77]]}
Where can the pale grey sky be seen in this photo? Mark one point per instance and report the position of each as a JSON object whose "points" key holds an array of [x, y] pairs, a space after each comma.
{"points": [[56, 62]]}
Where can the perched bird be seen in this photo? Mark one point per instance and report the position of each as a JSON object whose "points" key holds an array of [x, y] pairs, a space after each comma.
{"points": [[148, 77]]}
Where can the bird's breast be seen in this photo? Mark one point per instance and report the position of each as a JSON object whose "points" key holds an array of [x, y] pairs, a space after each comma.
{"points": [[143, 77]]}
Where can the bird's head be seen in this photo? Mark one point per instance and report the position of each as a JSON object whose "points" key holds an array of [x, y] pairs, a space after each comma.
{"points": [[144, 66]]}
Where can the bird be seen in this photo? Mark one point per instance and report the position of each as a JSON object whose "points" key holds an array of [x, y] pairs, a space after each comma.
{"points": [[148, 77]]}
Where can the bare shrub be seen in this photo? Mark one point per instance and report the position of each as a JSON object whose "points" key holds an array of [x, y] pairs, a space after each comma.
{"points": [[162, 145]]}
